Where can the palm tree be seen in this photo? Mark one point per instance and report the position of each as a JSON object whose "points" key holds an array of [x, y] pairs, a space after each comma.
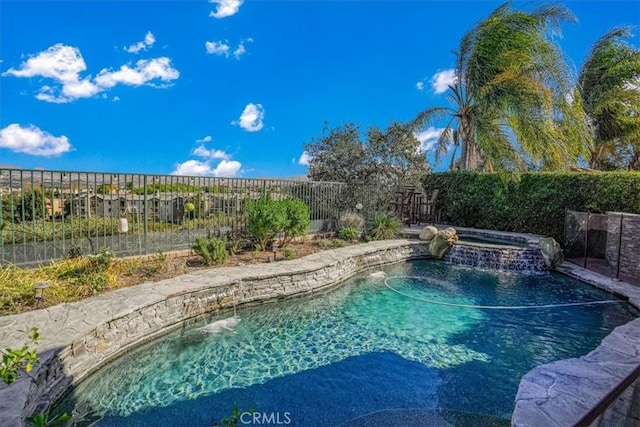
{"points": [[508, 104], [609, 85]]}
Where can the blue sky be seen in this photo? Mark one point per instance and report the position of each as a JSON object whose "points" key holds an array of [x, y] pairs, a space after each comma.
{"points": [[228, 88]]}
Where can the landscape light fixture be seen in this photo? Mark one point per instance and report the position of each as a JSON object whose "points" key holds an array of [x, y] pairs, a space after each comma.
{"points": [[38, 292]]}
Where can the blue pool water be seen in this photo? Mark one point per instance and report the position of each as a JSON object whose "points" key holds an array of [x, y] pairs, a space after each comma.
{"points": [[359, 355]]}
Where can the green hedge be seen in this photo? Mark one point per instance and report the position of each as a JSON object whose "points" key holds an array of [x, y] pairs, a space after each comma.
{"points": [[532, 202]]}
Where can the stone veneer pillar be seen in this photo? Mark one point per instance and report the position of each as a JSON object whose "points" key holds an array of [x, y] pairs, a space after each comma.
{"points": [[629, 244]]}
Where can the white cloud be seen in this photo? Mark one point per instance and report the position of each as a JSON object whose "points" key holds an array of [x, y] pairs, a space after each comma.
{"points": [[32, 140], [63, 64], [48, 94], [225, 8], [116, 98], [226, 168], [222, 48], [217, 48], [241, 50], [428, 138], [205, 139], [204, 152], [80, 89], [193, 168], [70, 92], [420, 86], [148, 41], [58, 62], [251, 118], [145, 71], [304, 159], [442, 80]]}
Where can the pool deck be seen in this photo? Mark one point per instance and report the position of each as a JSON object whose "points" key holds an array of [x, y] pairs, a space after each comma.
{"points": [[79, 337]]}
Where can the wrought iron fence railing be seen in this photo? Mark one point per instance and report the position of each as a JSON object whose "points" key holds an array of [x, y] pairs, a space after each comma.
{"points": [[48, 214], [618, 407]]}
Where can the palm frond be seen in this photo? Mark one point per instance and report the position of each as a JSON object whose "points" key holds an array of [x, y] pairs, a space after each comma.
{"points": [[430, 116], [609, 86], [445, 140]]}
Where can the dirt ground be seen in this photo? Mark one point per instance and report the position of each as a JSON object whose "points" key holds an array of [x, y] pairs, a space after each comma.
{"points": [[156, 268]]}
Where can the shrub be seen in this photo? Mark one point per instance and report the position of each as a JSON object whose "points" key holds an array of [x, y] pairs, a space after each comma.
{"points": [[212, 251], [349, 234], [339, 243], [45, 420], [20, 359], [266, 218], [102, 260], [532, 202], [323, 243], [189, 207], [296, 219], [154, 264], [351, 220], [384, 226], [289, 253], [235, 245]]}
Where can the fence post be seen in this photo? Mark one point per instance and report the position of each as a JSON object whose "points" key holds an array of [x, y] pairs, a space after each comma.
{"points": [[145, 206], [619, 247], [586, 239], [564, 230], [3, 224]]}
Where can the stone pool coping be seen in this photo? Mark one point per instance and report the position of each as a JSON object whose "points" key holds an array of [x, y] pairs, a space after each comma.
{"points": [[525, 238], [80, 337]]}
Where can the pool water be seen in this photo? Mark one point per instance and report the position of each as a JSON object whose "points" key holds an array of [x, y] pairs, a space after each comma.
{"points": [[359, 355]]}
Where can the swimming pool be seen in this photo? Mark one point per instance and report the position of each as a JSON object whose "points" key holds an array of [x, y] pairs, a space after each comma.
{"points": [[365, 353]]}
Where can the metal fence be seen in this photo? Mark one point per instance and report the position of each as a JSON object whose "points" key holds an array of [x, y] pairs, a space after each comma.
{"points": [[47, 215], [608, 243]]}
